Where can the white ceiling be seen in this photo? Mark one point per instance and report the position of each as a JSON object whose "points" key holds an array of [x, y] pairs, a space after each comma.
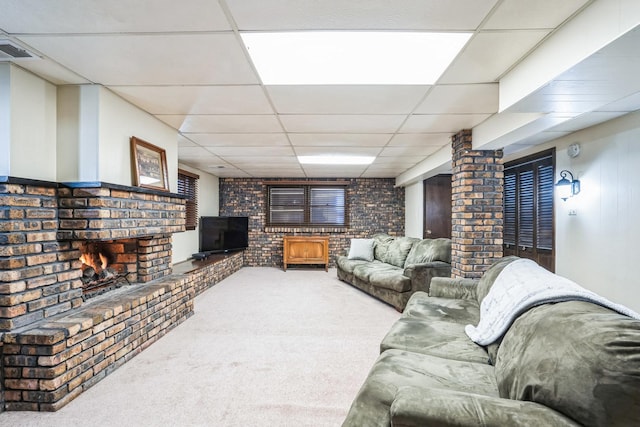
{"points": [[183, 62]]}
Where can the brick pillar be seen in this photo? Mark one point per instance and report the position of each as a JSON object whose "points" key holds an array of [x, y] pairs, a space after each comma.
{"points": [[477, 191]]}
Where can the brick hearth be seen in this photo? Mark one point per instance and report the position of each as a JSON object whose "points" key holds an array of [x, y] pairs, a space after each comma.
{"points": [[53, 344]]}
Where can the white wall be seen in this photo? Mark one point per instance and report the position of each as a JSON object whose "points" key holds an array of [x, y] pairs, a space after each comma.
{"points": [[597, 246], [32, 126], [185, 244], [414, 210], [119, 121]]}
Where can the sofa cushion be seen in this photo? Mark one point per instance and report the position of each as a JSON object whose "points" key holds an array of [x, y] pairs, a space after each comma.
{"points": [[578, 358], [398, 250], [381, 246], [395, 369], [347, 264], [429, 250], [422, 306], [361, 249], [383, 275], [435, 338]]}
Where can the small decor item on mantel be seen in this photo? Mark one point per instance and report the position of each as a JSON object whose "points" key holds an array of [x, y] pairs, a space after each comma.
{"points": [[149, 165]]}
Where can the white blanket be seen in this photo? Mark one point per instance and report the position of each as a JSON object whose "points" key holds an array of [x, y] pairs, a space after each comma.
{"points": [[524, 284]]}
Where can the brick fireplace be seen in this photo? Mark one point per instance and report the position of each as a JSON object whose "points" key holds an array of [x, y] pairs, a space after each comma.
{"points": [[55, 342]]}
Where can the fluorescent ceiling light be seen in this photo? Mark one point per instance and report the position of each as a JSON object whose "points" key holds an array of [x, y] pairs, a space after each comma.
{"points": [[356, 57], [336, 160]]}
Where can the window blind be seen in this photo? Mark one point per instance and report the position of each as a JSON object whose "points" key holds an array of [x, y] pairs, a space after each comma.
{"points": [[188, 186]]}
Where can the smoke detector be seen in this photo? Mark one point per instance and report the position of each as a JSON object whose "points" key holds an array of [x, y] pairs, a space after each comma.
{"points": [[9, 51]]}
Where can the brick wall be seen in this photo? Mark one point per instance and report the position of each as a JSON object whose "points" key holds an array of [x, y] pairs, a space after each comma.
{"points": [[477, 191], [39, 276], [375, 206], [108, 211]]}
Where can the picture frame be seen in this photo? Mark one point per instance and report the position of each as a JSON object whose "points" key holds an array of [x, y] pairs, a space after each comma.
{"points": [[149, 165]]}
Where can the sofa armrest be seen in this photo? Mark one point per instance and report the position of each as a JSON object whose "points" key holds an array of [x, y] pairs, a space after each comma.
{"points": [[421, 274], [446, 287], [415, 406]]}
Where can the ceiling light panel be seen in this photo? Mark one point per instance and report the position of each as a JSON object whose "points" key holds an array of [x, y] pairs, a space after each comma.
{"points": [[344, 58]]}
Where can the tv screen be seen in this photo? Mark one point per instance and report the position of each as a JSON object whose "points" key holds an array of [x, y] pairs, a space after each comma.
{"points": [[223, 233]]}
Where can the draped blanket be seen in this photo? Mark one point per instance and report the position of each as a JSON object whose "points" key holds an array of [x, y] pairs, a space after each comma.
{"points": [[521, 285]]}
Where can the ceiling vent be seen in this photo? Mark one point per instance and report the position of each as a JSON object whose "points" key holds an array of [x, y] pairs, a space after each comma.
{"points": [[10, 51]]}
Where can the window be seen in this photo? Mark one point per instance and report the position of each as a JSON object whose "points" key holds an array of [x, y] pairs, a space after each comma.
{"points": [[307, 205], [188, 186], [528, 209]]}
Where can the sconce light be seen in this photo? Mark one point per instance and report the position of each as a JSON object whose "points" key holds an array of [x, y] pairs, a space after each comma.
{"points": [[567, 187]]}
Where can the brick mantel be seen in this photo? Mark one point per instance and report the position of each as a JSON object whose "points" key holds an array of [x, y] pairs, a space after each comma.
{"points": [[101, 211]]}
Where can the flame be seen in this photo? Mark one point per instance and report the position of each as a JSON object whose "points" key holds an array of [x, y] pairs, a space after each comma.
{"points": [[88, 260]]}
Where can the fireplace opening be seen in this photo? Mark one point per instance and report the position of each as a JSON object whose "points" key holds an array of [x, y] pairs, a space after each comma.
{"points": [[107, 266]]}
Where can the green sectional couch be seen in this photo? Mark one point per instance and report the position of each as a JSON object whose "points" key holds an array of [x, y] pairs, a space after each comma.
{"points": [[398, 267], [567, 363]]}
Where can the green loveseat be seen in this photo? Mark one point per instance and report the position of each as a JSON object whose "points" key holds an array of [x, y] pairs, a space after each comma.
{"points": [[399, 267], [572, 363]]}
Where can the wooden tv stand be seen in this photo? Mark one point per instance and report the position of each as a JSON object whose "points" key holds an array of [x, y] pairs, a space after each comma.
{"points": [[306, 250]]}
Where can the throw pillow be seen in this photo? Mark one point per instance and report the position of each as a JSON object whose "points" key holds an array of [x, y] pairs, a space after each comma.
{"points": [[361, 249]]}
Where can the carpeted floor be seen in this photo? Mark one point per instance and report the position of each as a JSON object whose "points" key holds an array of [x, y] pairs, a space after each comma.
{"points": [[264, 348]]}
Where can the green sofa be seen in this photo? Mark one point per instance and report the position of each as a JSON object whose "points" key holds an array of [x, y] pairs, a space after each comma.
{"points": [[400, 266], [572, 363]]}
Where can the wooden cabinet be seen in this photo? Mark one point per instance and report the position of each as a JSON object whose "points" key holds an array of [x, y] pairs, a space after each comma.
{"points": [[306, 250]]}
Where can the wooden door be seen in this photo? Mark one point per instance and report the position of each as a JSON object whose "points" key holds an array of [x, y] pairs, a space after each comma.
{"points": [[437, 207]]}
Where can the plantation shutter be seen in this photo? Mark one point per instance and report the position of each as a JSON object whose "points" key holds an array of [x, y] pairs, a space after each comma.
{"points": [[528, 209], [188, 186], [526, 204], [544, 216], [510, 209]]}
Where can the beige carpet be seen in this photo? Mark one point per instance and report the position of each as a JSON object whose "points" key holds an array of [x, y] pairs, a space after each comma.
{"points": [[264, 348]]}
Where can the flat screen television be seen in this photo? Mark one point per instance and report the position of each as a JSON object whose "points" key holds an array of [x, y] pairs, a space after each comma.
{"points": [[220, 234]]}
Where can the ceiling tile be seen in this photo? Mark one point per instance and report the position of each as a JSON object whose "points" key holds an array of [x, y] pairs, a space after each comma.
{"points": [[53, 72], [322, 151], [224, 123], [409, 151], [442, 122], [359, 14], [404, 161], [251, 160], [419, 139], [342, 123], [346, 99], [339, 139], [453, 99], [113, 16], [325, 171], [488, 56], [532, 14], [197, 99], [239, 139], [142, 59], [265, 150]]}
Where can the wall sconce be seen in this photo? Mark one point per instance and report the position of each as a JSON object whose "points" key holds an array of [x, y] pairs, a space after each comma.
{"points": [[567, 187]]}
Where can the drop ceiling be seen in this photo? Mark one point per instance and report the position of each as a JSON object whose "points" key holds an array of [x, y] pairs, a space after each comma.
{"points": [[184, 63]]}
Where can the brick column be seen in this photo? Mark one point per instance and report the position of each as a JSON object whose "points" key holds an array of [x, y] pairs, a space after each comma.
{"points": [[477, 191]]}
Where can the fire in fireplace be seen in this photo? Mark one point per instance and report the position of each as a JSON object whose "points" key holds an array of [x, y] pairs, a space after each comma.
{"points": [[103, 268]]}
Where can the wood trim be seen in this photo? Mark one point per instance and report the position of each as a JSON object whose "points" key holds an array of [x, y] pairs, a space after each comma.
{"points": [[326, 183], [189, 174]]}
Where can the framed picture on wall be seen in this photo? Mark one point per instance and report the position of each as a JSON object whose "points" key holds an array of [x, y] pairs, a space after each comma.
{"points": [[149, 165]]}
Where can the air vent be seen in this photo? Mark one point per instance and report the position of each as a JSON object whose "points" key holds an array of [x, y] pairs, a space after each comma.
{"points": [[10, 51]]}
